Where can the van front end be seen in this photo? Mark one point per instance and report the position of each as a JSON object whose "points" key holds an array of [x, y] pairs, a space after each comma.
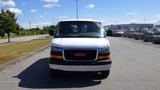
{"points": [[80, 46]]}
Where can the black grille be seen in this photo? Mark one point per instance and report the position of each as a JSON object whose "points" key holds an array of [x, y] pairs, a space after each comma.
{"points": [[80, 54]]}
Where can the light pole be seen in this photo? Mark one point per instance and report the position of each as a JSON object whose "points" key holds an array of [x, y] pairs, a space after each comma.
{"points": [[77, 9], [53, 20], [30, 25]]}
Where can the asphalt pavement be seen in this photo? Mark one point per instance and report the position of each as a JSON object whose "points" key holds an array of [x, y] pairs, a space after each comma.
{"points": [[136, 66]]}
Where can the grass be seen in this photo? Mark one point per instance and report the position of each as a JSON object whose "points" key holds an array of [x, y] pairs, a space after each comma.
{"points": [[9, 52]]}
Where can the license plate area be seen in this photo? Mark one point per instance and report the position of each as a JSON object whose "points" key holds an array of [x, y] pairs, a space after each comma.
{"points": [[80, 54]]}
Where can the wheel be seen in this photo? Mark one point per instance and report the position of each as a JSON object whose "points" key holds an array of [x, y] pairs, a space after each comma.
{"points": [[145, 40], [156, 42], [136, 38], [105, 74]]}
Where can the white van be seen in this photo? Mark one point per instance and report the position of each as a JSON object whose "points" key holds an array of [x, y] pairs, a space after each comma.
{"points": [[80, 46]]}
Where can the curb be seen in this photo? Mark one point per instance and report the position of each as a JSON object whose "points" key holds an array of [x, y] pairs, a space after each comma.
{"points": [[21, 58]]}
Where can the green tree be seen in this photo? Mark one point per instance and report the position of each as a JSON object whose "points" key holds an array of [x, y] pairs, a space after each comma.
{"points": [[7, 22], [18, 29], [2, 33]]}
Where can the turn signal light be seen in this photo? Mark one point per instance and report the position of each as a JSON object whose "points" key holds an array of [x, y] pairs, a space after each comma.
{"points": [[104, 57], [56, 57]]}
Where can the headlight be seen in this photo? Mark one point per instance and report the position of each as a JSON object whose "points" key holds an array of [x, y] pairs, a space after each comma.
{"points": [[104, 50], [56, 49], [104, 54], [56, 53]]}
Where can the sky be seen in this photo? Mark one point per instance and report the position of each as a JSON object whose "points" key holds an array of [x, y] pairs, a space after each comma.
{"points": [[48, 12]]}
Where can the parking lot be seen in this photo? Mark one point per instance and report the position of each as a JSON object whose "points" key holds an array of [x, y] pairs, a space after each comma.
{"points": [[144, 32], [135, 67]]}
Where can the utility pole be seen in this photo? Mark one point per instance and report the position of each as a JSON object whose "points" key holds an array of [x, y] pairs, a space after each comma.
{"points": [[30, 26], [53, 21], [77, 9]]}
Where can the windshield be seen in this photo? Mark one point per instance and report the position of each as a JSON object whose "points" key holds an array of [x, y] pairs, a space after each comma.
{"points": [[79, 29]]}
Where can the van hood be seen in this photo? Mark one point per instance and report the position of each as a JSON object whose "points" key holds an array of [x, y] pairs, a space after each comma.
{"points": [[80, 42]]}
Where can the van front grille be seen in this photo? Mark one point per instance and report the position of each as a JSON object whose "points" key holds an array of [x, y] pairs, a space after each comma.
{"points": [[80, 54]]}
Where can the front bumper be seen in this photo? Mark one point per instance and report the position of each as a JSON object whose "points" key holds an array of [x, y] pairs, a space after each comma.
{"points": [[92, 68], [80, 66]]}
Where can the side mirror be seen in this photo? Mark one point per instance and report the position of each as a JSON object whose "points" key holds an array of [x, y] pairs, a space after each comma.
{"points": [[51, 32]]}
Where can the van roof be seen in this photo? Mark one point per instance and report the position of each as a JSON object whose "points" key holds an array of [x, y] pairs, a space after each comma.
{"points": [[91, 20]]}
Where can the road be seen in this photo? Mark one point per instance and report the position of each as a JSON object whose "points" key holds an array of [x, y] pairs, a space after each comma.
{"points": [[21, 39], [136, 66]]}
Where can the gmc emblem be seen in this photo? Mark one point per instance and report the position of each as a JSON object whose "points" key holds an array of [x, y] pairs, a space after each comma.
{"points": [[80, 54]]}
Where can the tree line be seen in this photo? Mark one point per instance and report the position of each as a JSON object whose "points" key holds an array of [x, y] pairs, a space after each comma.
{"points": [[9, 26]]}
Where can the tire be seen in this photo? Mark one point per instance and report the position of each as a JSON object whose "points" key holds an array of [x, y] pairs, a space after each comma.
{"points": [[105, 74], [145, 40], [136, 38], [156, 42]]}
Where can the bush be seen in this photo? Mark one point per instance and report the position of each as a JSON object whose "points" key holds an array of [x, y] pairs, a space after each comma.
{"points": [[33, 32]]}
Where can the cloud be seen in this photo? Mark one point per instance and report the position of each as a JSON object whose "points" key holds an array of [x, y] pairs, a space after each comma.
{"points": [[128, 21], [51, 1], [133, 14], [90, 6], [8, 3], [51, 5], [62, 17], [157, 17], [17, 11], [40, 16], [34, 10]]}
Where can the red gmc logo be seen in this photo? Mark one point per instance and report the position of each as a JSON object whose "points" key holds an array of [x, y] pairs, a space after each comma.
{"points": [[79, 54]]}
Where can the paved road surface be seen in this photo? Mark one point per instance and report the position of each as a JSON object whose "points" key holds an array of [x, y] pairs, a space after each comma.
{"points": [[21, 39], [136, 66]]}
